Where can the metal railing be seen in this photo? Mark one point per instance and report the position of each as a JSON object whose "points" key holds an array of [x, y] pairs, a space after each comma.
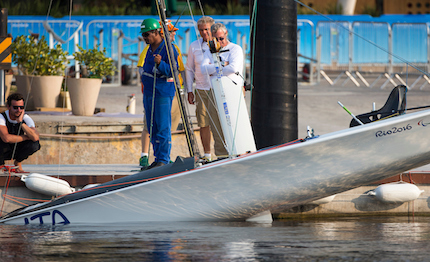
{"points": [[376, 49], [353, 49]]}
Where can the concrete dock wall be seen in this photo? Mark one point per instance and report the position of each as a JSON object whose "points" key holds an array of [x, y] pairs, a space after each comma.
{"points": [[92, 140], [96, 150], [356, 202]]}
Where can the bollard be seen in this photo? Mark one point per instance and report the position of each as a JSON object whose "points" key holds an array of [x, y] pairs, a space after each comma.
{"points": [[131, 106]]}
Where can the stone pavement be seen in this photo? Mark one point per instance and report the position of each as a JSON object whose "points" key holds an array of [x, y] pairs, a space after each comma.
{"points": [[317, 104], [318, 107]]}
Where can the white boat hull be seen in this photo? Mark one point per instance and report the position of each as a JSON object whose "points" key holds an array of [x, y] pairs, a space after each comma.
{"points": [[236, 189]]}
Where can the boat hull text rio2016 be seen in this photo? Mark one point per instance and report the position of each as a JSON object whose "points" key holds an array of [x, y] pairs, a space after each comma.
{"points": [[239, 188]]}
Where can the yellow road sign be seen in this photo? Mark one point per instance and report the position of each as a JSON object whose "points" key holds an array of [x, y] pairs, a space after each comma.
{"points": [[5, 52]]}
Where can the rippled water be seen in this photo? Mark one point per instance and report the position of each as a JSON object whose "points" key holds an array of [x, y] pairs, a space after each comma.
{"points": [[347, 239]]}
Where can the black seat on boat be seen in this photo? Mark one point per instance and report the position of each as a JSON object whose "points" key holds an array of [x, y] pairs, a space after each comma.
{"points": [[395, 105]]}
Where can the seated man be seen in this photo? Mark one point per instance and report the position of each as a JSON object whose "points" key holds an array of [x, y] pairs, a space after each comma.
{"points": [[19, 137]]}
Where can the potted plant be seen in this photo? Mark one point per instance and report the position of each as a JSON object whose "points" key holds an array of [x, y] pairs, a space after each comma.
{"points": [[42, 70], [84, 91]]}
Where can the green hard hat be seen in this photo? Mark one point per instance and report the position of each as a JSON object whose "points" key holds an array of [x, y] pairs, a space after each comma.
{"points": [[149, 24]]}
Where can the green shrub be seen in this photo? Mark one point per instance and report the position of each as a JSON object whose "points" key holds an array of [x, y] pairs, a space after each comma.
{"points": [[36, 58], [96, 63]]}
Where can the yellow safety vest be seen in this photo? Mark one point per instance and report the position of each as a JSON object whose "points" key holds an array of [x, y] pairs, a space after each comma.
{"points": [[180, 62]]}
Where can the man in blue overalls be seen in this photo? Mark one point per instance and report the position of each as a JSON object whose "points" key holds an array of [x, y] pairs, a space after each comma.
{"points": [[159, 90]]}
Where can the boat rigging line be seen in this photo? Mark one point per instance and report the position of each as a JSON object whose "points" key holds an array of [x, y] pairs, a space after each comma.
{"points": [[177, 20], [65, 88], [189, 134], [25, 105], [6, 186], [214, 129], [252, 32]]}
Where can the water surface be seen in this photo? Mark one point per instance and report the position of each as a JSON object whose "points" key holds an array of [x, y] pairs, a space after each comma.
{"points": [[340, 239]]}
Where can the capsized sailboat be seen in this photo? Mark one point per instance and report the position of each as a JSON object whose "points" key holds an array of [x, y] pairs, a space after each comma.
{"points": [[237, 189], [243, 187]]}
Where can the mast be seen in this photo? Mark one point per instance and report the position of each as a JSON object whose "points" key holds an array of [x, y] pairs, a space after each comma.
{"points": [[188, 126], [274, 98]]}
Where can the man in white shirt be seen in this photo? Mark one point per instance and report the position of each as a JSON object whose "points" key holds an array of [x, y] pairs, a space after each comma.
{"points": [[17, 128], [193, 72], [231, 56]]}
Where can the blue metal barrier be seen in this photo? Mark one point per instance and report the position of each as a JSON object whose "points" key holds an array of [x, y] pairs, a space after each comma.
{"points": [[410, 42], [335, 41], [366, 36], [396, 33], [63, 28]]}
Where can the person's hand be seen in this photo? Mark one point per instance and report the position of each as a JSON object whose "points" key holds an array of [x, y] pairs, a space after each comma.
{"points": [[21, 116], [157, 59], [191, 98]]}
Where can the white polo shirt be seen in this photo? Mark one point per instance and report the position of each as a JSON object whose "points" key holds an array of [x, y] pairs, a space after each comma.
{"points": [[193, 69], [27, 119]]}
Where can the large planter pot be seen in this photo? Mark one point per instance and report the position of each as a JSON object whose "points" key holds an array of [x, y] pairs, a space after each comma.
{"points": [[84, 93], [23, 86], [8, 83], [64, 100], [348, 6], [39, 91], [46, 90]]}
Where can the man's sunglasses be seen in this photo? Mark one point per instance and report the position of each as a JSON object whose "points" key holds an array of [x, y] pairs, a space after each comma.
{"points": [[146, 34], [16, 107], [220, 38]]}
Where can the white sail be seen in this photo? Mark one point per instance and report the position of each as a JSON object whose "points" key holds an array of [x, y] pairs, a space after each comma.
{"points": [[233, 116], [232, 112]]}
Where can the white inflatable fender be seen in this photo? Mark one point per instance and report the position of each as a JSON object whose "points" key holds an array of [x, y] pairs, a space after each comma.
{"points": [[90, 186], [47, 185], [397, 192], [324, 200]]}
